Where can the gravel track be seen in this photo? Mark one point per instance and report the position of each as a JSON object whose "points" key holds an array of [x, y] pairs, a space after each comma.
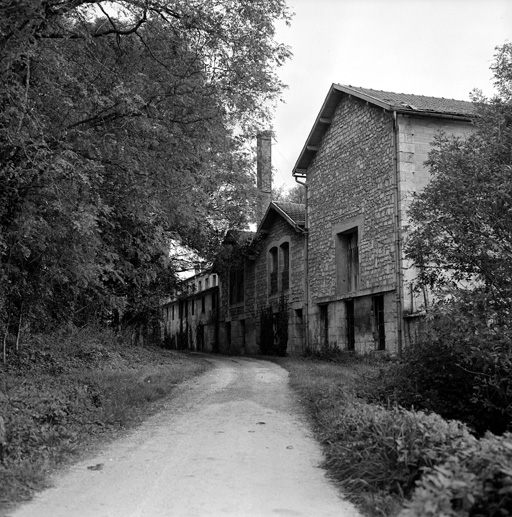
{"points": [[231, 442]]}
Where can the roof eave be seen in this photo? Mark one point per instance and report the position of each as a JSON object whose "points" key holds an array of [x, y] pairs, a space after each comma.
{"points": [[324, 119], [273, 206]]}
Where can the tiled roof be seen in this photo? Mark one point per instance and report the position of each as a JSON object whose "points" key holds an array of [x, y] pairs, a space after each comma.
{"points": [[417, 105], [410, 102], [295, 211]]}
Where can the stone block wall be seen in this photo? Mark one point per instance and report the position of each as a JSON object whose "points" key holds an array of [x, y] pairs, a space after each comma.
{"points": [[240, 323], [351, 184], [415, 136], [352, 177], [281, 232]]}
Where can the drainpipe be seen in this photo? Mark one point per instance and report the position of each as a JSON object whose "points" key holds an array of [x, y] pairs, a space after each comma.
{"points": [[306, 269], [398, 236]]}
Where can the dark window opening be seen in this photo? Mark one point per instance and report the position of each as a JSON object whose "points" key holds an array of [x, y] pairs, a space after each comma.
{"points": [[273, 271], [324, 322], [236, 286], [347, 261], [351, 334], [203, 305], [285, 273], [242, 333], [378, 314]]}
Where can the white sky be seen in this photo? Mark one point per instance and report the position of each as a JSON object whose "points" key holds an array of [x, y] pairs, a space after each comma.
{"points": [[440, 48]]}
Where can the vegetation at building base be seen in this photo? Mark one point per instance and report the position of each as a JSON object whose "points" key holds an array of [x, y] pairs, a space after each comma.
{"points": [[461, 244], [62, 393]]}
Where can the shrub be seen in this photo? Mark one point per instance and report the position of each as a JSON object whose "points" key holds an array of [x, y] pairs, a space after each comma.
{"points": [[372, 448], [459, 381], [475, 481]]}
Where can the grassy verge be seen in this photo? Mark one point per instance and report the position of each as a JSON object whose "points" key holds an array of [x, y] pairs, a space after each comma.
{"points": [[63, 394], [328, 392], [393, 461]]}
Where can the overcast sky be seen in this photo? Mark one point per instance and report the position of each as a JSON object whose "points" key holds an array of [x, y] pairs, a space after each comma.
{"points": [[440, 48]]}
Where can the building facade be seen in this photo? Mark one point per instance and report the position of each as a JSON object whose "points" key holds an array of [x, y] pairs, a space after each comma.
{"points": [[333, 271], [262, 295], [362, 163], [190, 319]]}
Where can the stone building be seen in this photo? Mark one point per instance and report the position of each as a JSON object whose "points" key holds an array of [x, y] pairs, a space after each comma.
{"points": [[264, 290], [254, 291], [362, 163], [333, 271], [190, 318]]}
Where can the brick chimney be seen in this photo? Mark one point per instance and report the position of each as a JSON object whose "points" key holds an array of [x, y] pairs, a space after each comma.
{"points": [[264, 172]]}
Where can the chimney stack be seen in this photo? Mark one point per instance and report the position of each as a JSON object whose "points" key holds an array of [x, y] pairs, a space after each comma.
{"points": [[264, 172]]}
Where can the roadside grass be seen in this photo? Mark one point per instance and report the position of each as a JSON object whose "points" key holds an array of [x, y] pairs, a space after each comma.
{"points": [[329, 394], [392, 461], [63, 394]]}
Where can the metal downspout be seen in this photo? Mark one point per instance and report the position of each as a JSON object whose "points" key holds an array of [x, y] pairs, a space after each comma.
{"points": [[306, 271], [398, 237]]}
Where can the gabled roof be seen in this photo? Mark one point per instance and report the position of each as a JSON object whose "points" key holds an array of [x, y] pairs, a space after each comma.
{"points": [[419, 105], [404, 102], [293, 213]]}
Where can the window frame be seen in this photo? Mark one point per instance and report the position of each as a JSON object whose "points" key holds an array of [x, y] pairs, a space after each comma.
{"points": [[279, 267], [348, 235], [236, 286]]}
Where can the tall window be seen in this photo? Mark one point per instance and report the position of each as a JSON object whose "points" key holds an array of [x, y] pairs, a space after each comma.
{"points": [[351, 333], [279, 268], [324, 321], [347, 261], [379, 323], [273, 268], [236, 285], [285, 263]]}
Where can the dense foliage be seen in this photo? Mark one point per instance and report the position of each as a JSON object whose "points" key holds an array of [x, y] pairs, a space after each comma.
{"points": [[461, 223], [461, 243], [124, 128]]}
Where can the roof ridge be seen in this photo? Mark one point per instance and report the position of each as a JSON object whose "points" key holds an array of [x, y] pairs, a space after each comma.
{"points": [[401, 93]]}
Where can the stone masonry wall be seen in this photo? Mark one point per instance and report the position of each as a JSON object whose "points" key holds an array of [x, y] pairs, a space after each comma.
{"points": [[351, 182], [415, 135], [242, 321], [352, 176], [281, 231]]}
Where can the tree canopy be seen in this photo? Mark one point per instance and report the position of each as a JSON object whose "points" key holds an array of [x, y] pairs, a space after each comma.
{"points": [[124, 127], [461, 233]]}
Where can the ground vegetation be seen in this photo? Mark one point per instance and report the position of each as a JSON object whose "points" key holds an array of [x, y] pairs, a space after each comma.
{"points": [[74, 390], [391, 461]]}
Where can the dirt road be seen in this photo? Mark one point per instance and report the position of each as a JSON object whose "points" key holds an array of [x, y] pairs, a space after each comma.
{"points": [[231, 443]]}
